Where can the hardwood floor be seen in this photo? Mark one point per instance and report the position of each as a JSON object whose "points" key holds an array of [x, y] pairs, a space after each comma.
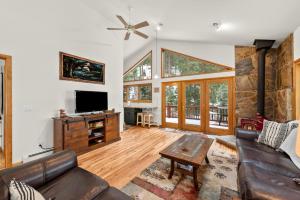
{"points": [[121, 161]]}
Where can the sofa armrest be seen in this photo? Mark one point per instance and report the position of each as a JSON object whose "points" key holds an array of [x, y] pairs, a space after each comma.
{"points": [[246, 134]]}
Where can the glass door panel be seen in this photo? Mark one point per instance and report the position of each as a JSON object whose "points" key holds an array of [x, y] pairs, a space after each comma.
{"points": [[171, 107], [192, 101], [219, 106]]}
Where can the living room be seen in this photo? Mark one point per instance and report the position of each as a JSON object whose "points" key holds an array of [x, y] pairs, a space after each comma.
{"points": [[150, 100]]}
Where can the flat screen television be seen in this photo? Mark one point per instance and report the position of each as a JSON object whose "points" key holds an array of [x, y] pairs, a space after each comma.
{"points": [[89, 101]]}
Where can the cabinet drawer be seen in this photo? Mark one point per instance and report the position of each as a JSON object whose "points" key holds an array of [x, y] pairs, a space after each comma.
{"points": [[73, 126], [77, 144], [76, 133]]}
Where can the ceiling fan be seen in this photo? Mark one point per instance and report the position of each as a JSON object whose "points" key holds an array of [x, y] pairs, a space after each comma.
{"points": [[131, 28]]}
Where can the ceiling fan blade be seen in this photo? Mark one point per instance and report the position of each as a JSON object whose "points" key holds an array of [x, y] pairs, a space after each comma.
{"points": [[141, 25], [141, 34], [127, 36], [122, 20], [116, 29]]}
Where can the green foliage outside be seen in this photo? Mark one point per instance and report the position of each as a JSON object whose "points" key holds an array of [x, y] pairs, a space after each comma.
{"points": [[146, 92], [142, 71], [218, 94], [175, 64]]}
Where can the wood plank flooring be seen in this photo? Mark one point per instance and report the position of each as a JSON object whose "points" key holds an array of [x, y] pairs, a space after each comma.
{"points": [[121, 161]]}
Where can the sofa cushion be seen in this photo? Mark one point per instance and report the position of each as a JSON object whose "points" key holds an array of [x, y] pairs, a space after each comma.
{"points": [[276, 162], [246, 144], [259, 183], [31, 173], [77, 183], [112, 194], [59, 163]]}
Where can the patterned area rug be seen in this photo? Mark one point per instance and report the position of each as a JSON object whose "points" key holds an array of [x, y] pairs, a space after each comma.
{"points": [[218, 179]]}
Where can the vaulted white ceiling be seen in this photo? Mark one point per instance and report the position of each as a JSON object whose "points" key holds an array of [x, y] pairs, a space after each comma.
{"points": [[191, 20]]}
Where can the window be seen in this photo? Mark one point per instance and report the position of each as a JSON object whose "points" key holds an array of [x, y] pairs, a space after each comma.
{"points": [[138, 93], [141, 70], [177, 64]]}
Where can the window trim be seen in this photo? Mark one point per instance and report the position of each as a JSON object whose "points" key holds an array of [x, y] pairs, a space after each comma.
{"points": [[227, 68], [138, 62], [139, 100], [296, 89]]}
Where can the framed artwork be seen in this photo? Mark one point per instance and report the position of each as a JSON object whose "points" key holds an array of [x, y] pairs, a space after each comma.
{"points": [[74, 68]]}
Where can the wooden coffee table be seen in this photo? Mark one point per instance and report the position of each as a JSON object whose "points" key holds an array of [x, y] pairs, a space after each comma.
{"points": [[188, 152]]}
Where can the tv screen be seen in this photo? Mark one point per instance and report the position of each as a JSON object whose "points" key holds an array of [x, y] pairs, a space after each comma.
{"points": [[88, 101]]}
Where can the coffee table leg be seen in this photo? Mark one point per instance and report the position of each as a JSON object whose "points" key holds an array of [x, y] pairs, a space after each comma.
{"points": [[195, 170], [172, 169], [206, 159]]}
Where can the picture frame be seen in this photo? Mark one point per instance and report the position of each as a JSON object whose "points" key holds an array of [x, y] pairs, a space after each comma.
{"points": [[75, 68]]}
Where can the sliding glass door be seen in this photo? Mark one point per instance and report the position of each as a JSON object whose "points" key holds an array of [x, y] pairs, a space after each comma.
{"points": [[199, 105], [219, 106], [171, 104], [193, 105]]}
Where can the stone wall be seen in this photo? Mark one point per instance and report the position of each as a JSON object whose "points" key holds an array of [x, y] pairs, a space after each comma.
{"points": [[246, 82], [284, 80], [278, 97]]}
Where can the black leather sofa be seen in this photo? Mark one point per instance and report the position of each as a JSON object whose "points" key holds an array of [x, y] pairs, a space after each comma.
{"points": [[264, 173], [58, 177]]}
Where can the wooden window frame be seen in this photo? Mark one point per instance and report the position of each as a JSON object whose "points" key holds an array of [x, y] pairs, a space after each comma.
{"points": [[7, 109], [204, 106], [139, 100], [227, 68], [296, 89], [137, 63]]}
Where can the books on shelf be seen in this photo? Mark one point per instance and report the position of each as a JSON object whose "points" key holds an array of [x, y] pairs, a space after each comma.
{"points": [[98, 134]]}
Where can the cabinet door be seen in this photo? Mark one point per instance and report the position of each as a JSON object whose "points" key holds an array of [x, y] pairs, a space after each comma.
{"points": [[76, 136], [112, 128]]}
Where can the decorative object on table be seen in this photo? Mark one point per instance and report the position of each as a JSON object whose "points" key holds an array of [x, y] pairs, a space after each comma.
{"points": [[62, 113], [74, 68], [218, 179], [109, 111]]}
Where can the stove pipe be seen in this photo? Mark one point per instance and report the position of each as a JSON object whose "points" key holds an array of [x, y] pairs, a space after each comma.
{"points": [[262, 47]]}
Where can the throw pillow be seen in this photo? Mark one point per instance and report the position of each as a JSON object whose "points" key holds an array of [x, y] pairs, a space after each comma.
{"points": [[19, 191], [289, 147], [273, 133]]}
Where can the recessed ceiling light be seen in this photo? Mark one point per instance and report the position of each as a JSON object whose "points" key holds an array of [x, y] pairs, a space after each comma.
{"points": [[158, 27], [217, 26]]}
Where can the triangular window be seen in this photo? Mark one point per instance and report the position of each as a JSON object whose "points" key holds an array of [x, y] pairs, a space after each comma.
{"points": [[142, 70], [177, 64]]}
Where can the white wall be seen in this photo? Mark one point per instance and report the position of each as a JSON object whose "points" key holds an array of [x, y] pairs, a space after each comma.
{"points": [[297, 44], [222, 54], [33, 32]]}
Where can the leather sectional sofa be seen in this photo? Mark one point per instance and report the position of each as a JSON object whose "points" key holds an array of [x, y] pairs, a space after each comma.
{"points": [[264, 173], [58, 177]]}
